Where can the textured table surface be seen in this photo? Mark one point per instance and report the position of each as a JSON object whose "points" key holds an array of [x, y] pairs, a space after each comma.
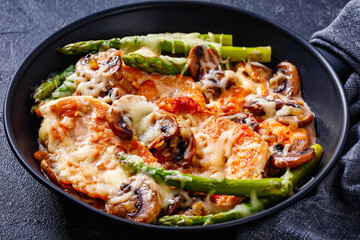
{"points": [[28, 210]]}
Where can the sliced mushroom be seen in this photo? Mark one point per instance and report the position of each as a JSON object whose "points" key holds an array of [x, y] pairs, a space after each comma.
{"points": [[117, 124], [272, 172], [187, 147], [292, 159], [255, 107], [245, 119], [105, 63], [178, 201], [297, 121], [295, 155], [41, 155], [179, 151], [295, 115], [262, 106], [163, 127], [299, 145], [125, 115], [289, 113], [201, 60], [168, 126], [139, 200], [286, 80], [204, 67]]}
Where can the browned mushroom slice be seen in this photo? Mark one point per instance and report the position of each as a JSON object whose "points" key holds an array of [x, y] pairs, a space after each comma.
{"points": [[286, 80], [204, 67], [125, 115], [98, 73], [167, 125], [177, 202], [41, 155], [289, 113], [260, 106], [178, 151], [117, 124], [292, 159], [139, 200], [255, 108], [272, 172], [299, 145], [162, 127], [107, 63], [294, 115], [245, 119], [185, 148], [201, 60], [297, 121]]}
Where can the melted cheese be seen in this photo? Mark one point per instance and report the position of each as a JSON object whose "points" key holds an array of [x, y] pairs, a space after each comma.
{"points": [[252, 77], [288, 110], [82, 147], [135, 185], [136, 112], [146, 51], [153, 42], [97, 81], [274, 132], [110, 87], [269, 107], [225, 148]]}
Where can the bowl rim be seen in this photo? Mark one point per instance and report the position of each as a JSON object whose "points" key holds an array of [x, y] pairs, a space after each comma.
{"points": [[156, 5]]}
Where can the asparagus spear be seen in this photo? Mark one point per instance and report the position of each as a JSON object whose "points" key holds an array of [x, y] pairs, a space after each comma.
{"points": [[166, 42], [46, 88], [299, 173], [293, 177], [67, 88], [161, 64], [222, 186], [223, 39], [176, 43], [232, 53], [89, 46], [240, 211], [172, 65], [237, 54]]}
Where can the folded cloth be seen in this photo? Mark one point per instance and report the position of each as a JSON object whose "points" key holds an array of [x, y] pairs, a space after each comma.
{"points": [[332, 210]]}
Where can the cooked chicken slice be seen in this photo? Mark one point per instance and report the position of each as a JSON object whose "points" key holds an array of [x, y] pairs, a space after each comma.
{"points": [[223, 148], [102, 76], [274, 132], [82, 147], [155, 86], [289, 147]]}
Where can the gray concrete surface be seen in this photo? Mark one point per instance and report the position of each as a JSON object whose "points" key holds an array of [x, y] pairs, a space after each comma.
{"points": [[28, 210]]}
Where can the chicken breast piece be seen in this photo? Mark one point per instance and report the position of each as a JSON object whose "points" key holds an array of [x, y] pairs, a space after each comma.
{"points": [[223, 148], [102, 76], [82, 148]]}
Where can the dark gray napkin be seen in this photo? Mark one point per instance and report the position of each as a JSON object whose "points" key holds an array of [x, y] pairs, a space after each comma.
{"points": [[332, 210]]}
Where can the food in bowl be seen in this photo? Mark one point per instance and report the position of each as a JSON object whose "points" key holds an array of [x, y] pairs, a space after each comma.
{"points": [[201, 135]]}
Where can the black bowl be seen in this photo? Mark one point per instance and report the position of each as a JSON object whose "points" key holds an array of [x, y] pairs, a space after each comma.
{"points": [[321, 87]]}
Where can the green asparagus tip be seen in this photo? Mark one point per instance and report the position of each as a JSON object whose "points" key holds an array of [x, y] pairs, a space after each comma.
{"points": [[45, 89]]}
